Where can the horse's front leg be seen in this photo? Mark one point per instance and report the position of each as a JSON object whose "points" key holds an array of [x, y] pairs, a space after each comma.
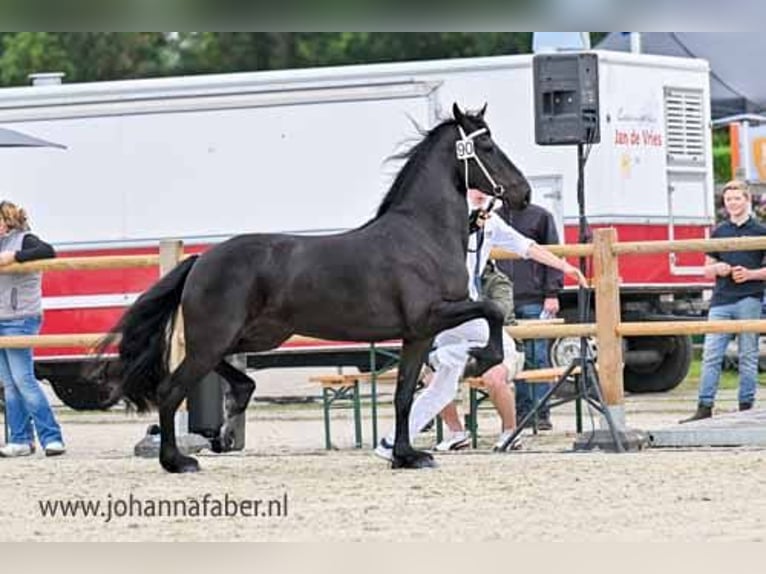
{"points": [[410, 364], [449, 315]]}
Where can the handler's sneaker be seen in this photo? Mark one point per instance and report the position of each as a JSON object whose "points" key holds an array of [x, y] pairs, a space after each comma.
{"points": [[384, 450], [14, 449], [54, 448], [457, 441], [515, 445]]}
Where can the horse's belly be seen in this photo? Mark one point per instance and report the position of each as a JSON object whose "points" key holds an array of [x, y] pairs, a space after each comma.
{"points": [[349, 324]]}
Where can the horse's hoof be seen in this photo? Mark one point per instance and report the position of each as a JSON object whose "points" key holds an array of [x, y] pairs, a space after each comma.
{"points": [[222, 443], [471, 368], [480, 360], [227, 438], [417, 459], [191, 466], [216, 445], [182, 464]]}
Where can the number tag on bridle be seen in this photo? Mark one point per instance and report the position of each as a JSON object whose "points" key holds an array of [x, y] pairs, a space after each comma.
{"points": [[465, 149]]}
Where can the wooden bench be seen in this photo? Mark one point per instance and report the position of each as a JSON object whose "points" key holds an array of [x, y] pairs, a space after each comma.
{"points": [[342, 386], [477, 394], [346, 386]]}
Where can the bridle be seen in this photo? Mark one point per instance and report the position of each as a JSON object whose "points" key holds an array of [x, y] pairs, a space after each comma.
{"points": [[466, 150]]}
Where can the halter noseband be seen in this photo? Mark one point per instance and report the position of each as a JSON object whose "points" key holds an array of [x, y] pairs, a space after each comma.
{"points": [[465, 150]]}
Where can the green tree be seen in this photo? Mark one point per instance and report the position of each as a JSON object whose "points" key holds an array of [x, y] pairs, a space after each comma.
{"points": [[25, 53], [111, 56], [84, 57], [721, 156], [239, 51]]}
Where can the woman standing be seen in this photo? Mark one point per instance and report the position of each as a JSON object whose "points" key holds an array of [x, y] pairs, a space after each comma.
{"points": [[26, 408]]}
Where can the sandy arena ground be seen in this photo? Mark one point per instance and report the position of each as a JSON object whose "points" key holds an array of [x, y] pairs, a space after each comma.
{"points": [[545, 492]]}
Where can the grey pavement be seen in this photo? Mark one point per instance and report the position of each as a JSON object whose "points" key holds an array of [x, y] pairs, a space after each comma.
{"points": [[747, 428]]}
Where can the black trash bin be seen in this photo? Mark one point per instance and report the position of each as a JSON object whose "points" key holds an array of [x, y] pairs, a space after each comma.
{"points": [[205, 406]]}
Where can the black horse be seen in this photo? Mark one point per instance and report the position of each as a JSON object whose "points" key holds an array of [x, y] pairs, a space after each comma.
{"points": [[401, 275]]}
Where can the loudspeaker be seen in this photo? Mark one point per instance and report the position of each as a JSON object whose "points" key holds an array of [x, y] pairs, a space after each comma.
{"points": [[566, 99]]}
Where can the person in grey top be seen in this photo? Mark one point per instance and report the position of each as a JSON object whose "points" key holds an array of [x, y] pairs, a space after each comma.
{"points": [[27, 410]]}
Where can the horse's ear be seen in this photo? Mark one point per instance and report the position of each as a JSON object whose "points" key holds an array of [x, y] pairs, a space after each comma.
{"points": [[456, 113], [483, 110]]}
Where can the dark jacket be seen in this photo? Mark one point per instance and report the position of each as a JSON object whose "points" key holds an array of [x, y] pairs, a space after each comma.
{"points": [[532, 282], [726, 291]]}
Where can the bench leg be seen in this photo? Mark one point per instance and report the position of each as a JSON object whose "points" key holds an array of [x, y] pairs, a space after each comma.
{"points": [[439, 429], [326, 409], [374, 408], [357, 415], [473, 423]]}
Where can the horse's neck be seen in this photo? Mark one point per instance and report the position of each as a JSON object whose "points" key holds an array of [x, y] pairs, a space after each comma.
{"points": [[433, 200]]}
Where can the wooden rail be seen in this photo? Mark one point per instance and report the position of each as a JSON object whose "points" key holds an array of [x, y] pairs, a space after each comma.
{"points": [[687, 245], [690, 327], [89, 340], [95, 262], [648, 247], [570, 250], [608, 328]]}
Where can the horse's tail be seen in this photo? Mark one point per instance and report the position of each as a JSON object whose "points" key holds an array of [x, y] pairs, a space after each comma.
{"points": [[143, 343]]}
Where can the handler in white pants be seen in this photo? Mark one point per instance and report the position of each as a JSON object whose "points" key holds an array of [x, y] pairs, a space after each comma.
{"points": [[451, 349], [452, 346]]}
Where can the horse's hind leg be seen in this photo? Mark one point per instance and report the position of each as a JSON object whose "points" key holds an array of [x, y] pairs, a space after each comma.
{"points": [[241, 388], [170, 393]]}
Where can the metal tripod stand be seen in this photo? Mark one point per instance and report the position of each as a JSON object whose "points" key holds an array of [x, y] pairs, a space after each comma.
{"points": [[587, 387]]}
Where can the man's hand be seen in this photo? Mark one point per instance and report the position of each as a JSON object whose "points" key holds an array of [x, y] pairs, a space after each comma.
{"points": [[574, 272], [7, 257], [741, 274], [476, 220], [551, 306], [723, 269]]}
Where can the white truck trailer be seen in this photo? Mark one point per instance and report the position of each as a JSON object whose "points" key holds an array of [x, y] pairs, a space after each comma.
{"points": [[202, 158]]}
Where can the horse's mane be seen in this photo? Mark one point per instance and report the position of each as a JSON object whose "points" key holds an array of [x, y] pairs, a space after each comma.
{"points": [[414, 157]]}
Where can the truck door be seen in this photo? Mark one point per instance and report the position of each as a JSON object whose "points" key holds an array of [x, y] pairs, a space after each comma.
{"points": [[547, 193], [690, 210], [688, 218]]}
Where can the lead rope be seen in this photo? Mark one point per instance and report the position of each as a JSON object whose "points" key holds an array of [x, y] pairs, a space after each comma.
{"points": [[477, 262]]}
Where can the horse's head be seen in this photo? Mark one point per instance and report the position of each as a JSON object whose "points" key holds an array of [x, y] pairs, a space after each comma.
{"points": [[484, 165]]}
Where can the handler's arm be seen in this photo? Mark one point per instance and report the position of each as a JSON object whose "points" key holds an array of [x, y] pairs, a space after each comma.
{"points": [[542, 255]]}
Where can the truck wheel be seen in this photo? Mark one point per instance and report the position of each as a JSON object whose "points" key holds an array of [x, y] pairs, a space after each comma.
{"points": [[664, 374], [562, 352], [79, 395], [71, 386]]}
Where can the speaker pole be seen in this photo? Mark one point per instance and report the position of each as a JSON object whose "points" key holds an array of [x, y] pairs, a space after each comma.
{"points": [[582, 237]]}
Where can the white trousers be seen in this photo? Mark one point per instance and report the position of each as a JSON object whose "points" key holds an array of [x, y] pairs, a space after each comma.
{"points": [[449, 360]]}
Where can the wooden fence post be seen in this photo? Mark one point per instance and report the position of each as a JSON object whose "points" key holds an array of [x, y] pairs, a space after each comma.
{"points": [[607, 283], [171, 252]]}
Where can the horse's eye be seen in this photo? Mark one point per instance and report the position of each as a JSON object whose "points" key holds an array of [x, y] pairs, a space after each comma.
{"points": [[486, 144]]}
